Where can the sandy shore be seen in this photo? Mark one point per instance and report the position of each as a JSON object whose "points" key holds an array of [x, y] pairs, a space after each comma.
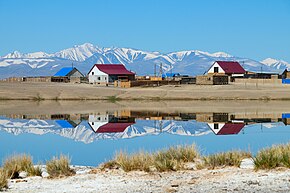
{"points": [[227, 179], [67, 91]]}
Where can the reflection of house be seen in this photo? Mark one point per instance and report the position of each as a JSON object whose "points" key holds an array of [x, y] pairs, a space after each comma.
{"points": [[230, 68], [66, 124], [109, 124], [286, 118], [226, 128], [108, 73]]}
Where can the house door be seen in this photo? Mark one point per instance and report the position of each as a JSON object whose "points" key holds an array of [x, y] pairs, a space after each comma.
{"points": [[216, 69]]}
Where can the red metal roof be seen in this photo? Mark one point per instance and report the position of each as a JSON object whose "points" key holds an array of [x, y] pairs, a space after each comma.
{"points": [[113, 69], [113, 127], [231, 67], [231, 128]]}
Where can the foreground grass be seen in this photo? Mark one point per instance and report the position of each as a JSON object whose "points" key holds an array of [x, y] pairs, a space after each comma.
{"points": [[273, 157], [15, 164], [231, 158], [165, 160], [3, 180], [59, 167]]}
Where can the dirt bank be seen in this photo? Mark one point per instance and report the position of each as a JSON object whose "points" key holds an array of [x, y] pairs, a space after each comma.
{"points": [[63, 91]]}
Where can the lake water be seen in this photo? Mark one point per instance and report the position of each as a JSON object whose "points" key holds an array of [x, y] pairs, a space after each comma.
{"points": [[90, 137]]}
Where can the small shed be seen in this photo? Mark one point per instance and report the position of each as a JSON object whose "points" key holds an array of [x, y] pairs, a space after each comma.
{"points": [[104, 74], [212, 79], [230, 68], [65, 74]]}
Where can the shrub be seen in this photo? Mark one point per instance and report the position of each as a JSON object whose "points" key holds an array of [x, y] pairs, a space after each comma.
{"points": [[15, 164], [139, 161], [164, 160], [59, 167], [231, 158], [3, 180], [275, 156], [174, 157]]}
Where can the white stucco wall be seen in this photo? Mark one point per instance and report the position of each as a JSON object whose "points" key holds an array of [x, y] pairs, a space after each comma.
{"points": [[97, 76], [96, 121], [220, 126], [211, 70]]}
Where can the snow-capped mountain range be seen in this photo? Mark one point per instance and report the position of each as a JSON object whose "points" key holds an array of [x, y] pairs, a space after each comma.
{"points": [[192, 62], [85, 134]]}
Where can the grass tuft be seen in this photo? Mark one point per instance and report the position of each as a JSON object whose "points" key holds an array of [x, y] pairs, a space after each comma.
{"points": [[113, 99], [17, 163], [273, 157], [139, 161], [164, 160], [59, 167], [3, 180], [231, 158]]}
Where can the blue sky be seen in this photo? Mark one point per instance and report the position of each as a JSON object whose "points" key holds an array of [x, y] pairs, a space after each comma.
{"points": [[255, 29]]}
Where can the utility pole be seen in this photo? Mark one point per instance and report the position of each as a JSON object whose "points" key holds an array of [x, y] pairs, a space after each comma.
{"points": [[154, 70]]}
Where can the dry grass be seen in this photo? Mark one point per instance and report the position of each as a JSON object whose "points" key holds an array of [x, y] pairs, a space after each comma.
{"points": [[59, 167], [17, 163], [3, 180], [139, 161], [164, 160], [273, 157], [174, 157], [231, 158]]}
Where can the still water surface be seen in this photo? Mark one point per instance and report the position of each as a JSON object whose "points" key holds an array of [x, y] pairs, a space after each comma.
{"points": [[94, 137]]}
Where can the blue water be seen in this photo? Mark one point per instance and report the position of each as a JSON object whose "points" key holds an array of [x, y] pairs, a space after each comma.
{"points": [[43, 139]]}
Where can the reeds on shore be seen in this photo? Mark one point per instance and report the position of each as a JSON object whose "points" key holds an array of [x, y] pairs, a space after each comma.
{"points": [[273, 157], [59, 167], [165, 160], [230, 158], [20, 163], [3, 180]]}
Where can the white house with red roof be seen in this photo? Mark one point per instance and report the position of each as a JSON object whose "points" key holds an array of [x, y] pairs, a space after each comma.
{"points": [[108, 73], [230, 68]]}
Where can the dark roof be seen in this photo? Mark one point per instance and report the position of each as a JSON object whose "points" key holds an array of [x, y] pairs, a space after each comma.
{"points": [[113, 69], [231, 67], [113, 127], [64, 71], [231, 128]]}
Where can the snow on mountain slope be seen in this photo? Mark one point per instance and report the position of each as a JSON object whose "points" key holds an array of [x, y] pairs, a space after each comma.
{"points": [[191, 62], [79, 52], [85, 134], [277, 64]]}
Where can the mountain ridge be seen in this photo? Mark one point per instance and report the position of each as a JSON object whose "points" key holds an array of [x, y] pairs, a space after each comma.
{"points": [[191, 62]]}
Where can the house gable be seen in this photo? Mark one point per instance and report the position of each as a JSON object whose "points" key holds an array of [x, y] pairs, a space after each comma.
{"points": [[212, 68]]}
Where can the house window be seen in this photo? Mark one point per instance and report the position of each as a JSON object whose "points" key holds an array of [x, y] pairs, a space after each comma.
{"points": [[99, 78], [92, 123], [93, 73], [105, 78], [216, 126], [216, 69]]}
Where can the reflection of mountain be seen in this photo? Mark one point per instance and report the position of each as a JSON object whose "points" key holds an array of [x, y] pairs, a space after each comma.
{"points": [[84, 133]]}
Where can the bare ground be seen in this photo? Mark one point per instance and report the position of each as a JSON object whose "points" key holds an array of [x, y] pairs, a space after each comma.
{"points": [[67, 91], [227, 179]]}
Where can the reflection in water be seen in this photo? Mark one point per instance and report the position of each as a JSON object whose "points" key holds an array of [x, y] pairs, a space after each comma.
{"points": [[103, 133], [128, 124]]}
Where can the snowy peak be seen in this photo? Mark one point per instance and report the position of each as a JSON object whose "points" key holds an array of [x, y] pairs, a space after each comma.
{"points": [[277, 64], [78, 52]]}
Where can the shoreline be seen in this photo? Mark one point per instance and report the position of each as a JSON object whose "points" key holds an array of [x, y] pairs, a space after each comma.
{"points": [[88, 92], [227, 179]]}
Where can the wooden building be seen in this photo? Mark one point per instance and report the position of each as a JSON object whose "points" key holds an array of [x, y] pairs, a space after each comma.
{"points": [[212, 79]]}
